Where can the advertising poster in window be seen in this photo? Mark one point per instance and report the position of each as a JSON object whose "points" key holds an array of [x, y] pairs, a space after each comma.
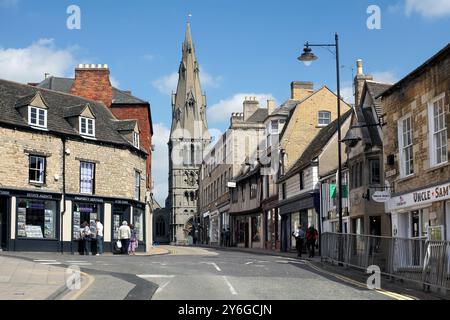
{"points": [[76, 225], [116, 225], [49, 224], [21, 222]]}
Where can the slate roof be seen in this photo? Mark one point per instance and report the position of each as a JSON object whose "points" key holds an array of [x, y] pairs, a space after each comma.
{"points": [[74, 111], [259, 116], [64, 85], [316, 146], [125, 125], [375, 89], [59, 105]]}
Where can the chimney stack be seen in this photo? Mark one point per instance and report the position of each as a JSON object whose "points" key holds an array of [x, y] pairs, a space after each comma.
{"points": [[270, 106], [359, 81], [300, 90], [92, 82], [250, 107]]}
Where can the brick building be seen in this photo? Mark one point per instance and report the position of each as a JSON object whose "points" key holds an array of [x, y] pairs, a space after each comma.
{"points": [[66, 160], [416, 153]]}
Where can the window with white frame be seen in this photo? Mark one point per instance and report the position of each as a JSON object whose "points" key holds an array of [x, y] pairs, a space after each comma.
{"points": [[37, 117], [271, 129], [36, 170], [438, 131], [136, 139], [324, 118], [405, 139], [137, 185], [87, 127], [87, 177]]}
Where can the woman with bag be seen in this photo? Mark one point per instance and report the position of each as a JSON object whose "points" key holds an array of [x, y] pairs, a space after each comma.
{"points": [[133, 241]]}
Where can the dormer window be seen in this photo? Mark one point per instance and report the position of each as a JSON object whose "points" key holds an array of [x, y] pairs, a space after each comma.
{"points": [[87, 127], [136, 139], [37, 117]]}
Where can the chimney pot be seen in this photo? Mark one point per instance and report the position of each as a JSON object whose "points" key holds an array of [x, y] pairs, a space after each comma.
{"points": [[80, 66], [92, 66], [359, 66], [105, 66], [99, 66], [86, 66]]}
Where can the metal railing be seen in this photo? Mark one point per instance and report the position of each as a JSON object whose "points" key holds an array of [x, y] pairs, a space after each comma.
{"points": [[420, 260]]}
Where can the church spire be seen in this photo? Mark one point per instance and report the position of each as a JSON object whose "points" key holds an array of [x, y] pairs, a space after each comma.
{"points": [[189, 102]]}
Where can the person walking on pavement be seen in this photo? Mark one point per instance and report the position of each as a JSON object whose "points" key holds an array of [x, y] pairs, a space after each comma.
{"points": [[124, 236], [86, 236], [311, 238], [299, 235], [133, 241], [99, 237]]}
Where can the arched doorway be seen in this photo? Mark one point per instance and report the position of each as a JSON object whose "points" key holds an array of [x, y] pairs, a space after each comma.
{"points": [[189, 230]]}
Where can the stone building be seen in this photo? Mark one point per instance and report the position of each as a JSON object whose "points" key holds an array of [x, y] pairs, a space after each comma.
{"points": [[66, 160], [365, 153], [224, 161], [416, 153], [189, 138], [299, 188]]}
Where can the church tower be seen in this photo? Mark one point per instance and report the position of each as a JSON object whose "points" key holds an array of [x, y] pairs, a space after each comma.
{"points": [[189, 137]]}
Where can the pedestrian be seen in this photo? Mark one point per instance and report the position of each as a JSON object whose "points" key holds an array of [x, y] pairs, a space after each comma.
{"points": [[311, 238], [133, 241], [222, 238], [86, 236], [299, 235], [99, 237], [124, 236], [227, 238]]}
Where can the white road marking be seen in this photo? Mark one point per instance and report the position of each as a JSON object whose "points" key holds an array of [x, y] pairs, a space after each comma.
{"points": [[249, 262], [155, 276], [160, 289], [232, 290], [74, 261], [216, 266], [44, 260], [50, 263]]}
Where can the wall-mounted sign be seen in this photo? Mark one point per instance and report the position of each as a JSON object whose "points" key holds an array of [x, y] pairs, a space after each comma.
{"points": [[39, 196], [420, 197], [381, 196], [231, 184]]}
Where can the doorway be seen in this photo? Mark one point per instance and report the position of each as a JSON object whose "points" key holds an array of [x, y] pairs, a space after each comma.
{"points": [[375, 226], [4, 223]]}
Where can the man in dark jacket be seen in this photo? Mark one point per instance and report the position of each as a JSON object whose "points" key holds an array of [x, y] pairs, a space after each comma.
{"points": [[311, 238]]}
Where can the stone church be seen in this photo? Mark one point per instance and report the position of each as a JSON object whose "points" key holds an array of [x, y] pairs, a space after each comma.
{"points": [[189, 137]]}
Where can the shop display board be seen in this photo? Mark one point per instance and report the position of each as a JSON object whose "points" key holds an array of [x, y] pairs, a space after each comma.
{"points": [[49, 225], [21, 222], [34, 231], [76, 225], [116, 225]]}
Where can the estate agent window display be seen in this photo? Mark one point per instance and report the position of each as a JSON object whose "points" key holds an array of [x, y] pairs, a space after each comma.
{"points": [[36, 219], [138, 221]]}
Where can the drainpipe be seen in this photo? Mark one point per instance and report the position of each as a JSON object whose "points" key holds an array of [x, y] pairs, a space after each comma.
{"points": [[64, 192]]}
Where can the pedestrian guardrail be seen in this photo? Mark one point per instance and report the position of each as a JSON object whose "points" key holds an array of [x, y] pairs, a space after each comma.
{"points": [[419, 260]]}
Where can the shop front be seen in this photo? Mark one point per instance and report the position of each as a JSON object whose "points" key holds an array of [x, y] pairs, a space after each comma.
{"points": [[421, 214], [4, 219], [247, 231], [139, 225], [214, 227], [34, 221], [86, 211], [295, 212]]}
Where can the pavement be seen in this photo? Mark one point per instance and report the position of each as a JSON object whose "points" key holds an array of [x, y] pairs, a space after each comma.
{"points": [[189, 273]]}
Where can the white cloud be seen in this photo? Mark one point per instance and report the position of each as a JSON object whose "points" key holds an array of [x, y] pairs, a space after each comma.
{"points": [[160, 168], [114, 82], [31, 63], [8, 3], [428, 8], [347, 93], [168, 84], [148, 57], [222, 110], [385, 76]]}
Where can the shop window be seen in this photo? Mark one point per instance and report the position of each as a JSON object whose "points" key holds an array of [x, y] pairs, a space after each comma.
{"points": [[87, 177], [256, 226], [36, 219], [85, 212], [438, 131], [36, 170], [138, 221]]}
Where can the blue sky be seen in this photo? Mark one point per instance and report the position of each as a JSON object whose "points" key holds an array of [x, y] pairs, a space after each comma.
{"points": [[245, 47]]}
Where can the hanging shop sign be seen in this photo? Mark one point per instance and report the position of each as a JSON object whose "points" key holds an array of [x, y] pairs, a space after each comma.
{"points": [[381, 196]]}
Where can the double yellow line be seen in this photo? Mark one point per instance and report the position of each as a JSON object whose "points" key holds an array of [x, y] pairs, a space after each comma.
{"points": [[390, 294]]}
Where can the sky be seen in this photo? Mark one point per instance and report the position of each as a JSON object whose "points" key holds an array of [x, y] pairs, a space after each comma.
{"points": [[244, 47]]}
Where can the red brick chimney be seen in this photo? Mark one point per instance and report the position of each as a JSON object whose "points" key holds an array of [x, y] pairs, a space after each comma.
{"points": [[92, 82]]}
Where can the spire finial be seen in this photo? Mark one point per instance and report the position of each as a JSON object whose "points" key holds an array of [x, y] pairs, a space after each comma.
{"points": [[189, 17]]}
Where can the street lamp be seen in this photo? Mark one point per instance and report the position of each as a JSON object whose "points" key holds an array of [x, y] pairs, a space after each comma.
{"points": [[308, 57]]}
